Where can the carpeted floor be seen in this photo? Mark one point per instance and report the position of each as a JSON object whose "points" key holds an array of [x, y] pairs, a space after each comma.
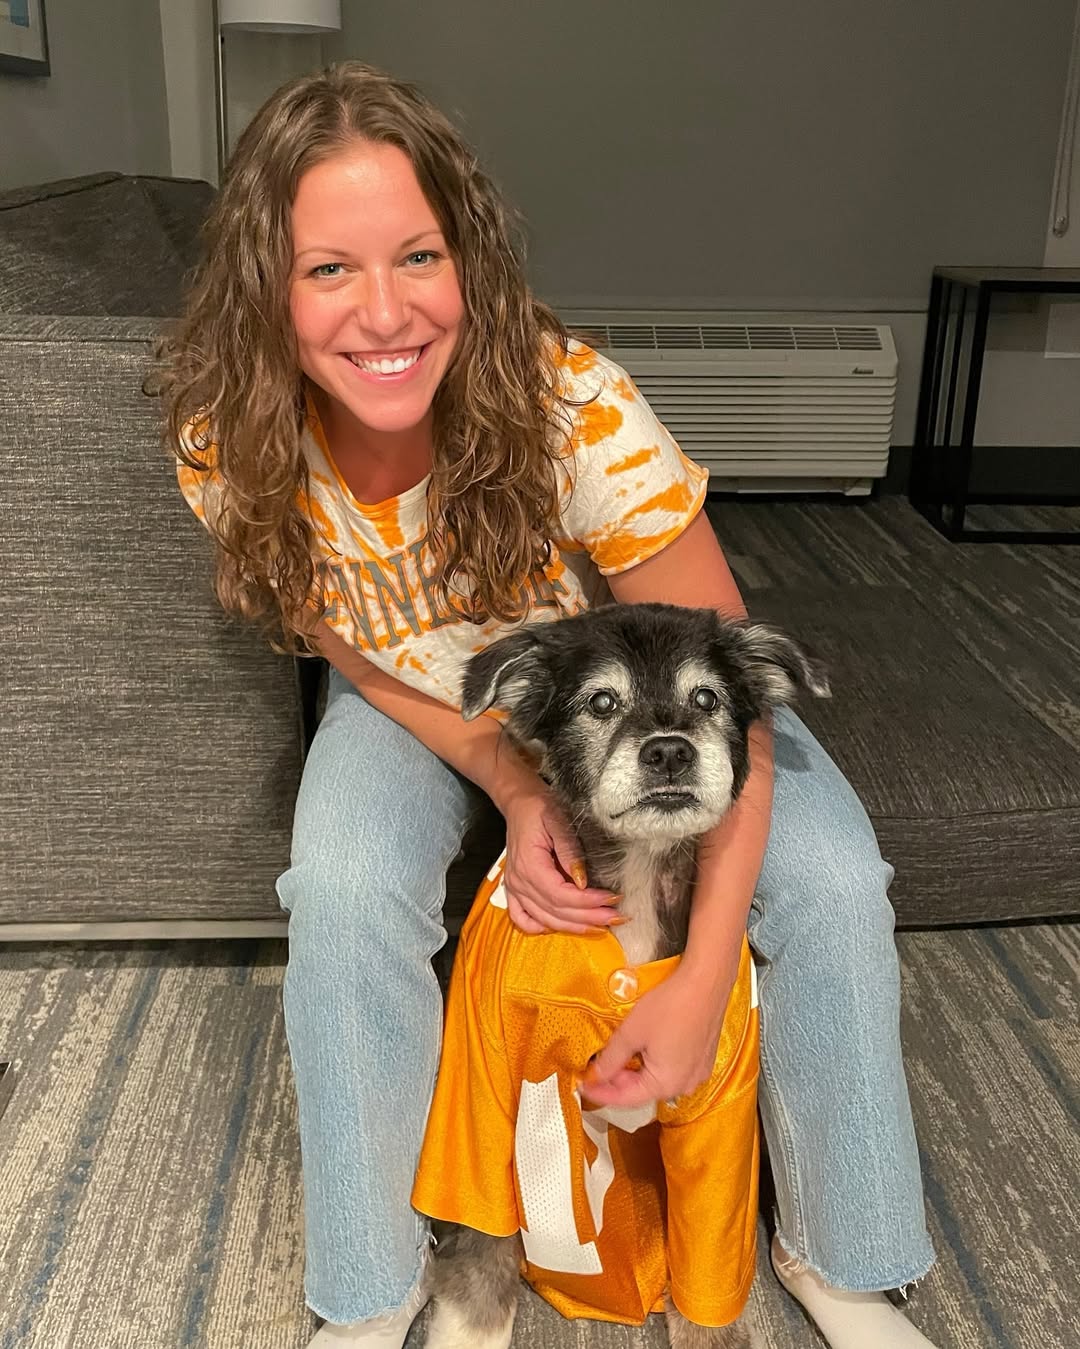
{"points": [[149, 1172], [150, 1183]]}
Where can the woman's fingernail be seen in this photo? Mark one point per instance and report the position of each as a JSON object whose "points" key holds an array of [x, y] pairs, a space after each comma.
{"points": [[617, 922], [577, 873], [615, 899]]}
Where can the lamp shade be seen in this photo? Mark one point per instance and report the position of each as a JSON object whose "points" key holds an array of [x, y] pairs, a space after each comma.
{"points": [[280, 16]]}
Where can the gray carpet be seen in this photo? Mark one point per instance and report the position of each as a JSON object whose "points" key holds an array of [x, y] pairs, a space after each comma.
{"points": [[149, 1173]]}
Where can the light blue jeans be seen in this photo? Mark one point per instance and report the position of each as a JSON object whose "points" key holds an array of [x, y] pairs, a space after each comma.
{"points": [[379, 819]]}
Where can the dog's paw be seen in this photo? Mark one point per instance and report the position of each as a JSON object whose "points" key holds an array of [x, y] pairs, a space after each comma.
{"points": [[450, 1329], [684, 1334]]}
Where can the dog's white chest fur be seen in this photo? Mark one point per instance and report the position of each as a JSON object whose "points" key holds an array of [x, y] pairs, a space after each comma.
{"points": [[642, 880]]}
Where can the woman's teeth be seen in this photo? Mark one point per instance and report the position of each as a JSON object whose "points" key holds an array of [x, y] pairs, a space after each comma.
{"points": [[386, 366]]}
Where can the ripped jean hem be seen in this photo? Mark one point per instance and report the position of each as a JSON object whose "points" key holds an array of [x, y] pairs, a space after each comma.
{"points": [[902, 1284], [411, 1307]]}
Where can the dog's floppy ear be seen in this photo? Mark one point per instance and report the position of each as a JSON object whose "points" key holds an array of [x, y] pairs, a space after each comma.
{"points": [[779, 667], [502, 675]]}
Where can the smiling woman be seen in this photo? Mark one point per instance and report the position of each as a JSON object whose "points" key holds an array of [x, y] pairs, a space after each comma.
{"points": [[376, 318], [404, 458], [354, 227]]}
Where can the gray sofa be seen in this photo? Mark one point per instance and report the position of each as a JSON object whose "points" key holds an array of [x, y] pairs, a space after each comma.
{"points": [[151, 749]]}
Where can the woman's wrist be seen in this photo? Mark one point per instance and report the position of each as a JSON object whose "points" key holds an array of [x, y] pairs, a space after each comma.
{"points": [[510, 778], [711, 974]]}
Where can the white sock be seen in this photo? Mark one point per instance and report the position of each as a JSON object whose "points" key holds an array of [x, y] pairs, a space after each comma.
{"points": [[846, 1320], [381, 1332]]}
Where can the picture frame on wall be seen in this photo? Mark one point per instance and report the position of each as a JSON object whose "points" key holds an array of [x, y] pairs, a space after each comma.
{"points": [[24, 45]]}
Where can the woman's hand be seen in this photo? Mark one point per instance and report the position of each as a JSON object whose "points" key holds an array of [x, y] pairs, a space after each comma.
{"points": [[547, 889], [673, 1031]]}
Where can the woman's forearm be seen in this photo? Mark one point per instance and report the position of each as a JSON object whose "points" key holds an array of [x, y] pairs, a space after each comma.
{"points": [[478, 749], [729, 863]]}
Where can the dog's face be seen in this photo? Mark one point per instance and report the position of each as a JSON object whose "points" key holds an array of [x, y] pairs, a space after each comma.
{"points": [[642, 711]]}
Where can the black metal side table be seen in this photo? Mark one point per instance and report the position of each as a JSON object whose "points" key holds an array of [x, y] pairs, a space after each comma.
{"points": [[940, 482]]}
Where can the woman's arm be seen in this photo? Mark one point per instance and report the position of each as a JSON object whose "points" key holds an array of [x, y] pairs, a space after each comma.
{"points": [[692, 571], [538, 896], [675, 1028], [476, 748]]}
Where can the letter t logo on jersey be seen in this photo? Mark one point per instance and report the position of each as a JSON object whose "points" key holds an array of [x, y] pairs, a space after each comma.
{"points": [[623, 985]]}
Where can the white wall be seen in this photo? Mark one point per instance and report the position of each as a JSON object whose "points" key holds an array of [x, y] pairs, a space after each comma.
{"points": [[748, 155], [257, 63], [187, 36], [1062, 317], [103, 106], [1063, 250], [132, 90], [810, 161]]}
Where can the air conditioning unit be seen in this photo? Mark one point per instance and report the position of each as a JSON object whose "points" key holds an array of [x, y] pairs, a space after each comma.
{"points": [[765, 407]]}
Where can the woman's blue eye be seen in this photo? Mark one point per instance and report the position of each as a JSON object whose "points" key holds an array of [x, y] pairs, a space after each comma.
{"points": [[321, 269], [425, 257]]}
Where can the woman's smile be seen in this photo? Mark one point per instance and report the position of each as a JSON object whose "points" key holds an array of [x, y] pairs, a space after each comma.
{"points": [[389, 365], [374, 295]]}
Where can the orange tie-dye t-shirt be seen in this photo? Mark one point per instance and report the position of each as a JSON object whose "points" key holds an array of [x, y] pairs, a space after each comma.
{"points": [[629, 491]]}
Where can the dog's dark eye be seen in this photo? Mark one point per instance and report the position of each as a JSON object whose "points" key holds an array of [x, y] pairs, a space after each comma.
{"points": [[706, 699], [602, 704]]}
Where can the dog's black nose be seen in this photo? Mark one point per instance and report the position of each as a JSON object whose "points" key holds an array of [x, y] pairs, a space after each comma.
{"points": [[671, 755]]}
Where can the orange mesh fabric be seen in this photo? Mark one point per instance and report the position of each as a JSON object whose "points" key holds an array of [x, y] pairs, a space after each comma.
{"points": [[509, 1148]]}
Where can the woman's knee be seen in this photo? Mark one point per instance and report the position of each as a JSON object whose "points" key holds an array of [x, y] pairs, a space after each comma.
{"points": [[386, 889], [378, 821], [823, 884]]}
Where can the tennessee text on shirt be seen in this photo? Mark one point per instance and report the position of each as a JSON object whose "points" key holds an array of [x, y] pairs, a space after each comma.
{"points": [[378, 602]]}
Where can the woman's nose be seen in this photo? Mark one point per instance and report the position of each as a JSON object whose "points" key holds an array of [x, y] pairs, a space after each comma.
{"points": [[385, 307]]}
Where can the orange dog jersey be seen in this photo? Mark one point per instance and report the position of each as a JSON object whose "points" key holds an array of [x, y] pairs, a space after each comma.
{"points": [[509, 1147]]}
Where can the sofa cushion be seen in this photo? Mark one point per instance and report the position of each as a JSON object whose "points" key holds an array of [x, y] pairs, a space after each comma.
{"points": [[973, 792], [182, 205], [105, 244], [151, 748]]}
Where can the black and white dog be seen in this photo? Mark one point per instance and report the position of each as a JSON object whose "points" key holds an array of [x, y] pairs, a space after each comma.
{"points": [[640, 715]]}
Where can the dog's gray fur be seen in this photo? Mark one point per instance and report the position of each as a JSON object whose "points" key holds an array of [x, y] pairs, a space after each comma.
{"points": [[641, 716]]}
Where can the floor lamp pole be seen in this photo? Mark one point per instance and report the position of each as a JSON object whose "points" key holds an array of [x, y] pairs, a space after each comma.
{"points": [[222, 105]]}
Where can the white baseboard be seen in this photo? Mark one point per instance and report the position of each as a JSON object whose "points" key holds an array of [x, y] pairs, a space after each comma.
{"points": [[172, 930], [175, 930]]}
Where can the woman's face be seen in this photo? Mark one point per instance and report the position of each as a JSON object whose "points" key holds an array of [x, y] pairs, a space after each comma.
{"points": [[374, 293]]}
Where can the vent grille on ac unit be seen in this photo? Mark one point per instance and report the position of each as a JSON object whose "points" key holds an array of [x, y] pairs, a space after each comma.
{"points": [[730, 337], [764, 406]]}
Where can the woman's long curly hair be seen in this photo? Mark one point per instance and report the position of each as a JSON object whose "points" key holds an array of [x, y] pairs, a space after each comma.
{"points": [[230, 378]]}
